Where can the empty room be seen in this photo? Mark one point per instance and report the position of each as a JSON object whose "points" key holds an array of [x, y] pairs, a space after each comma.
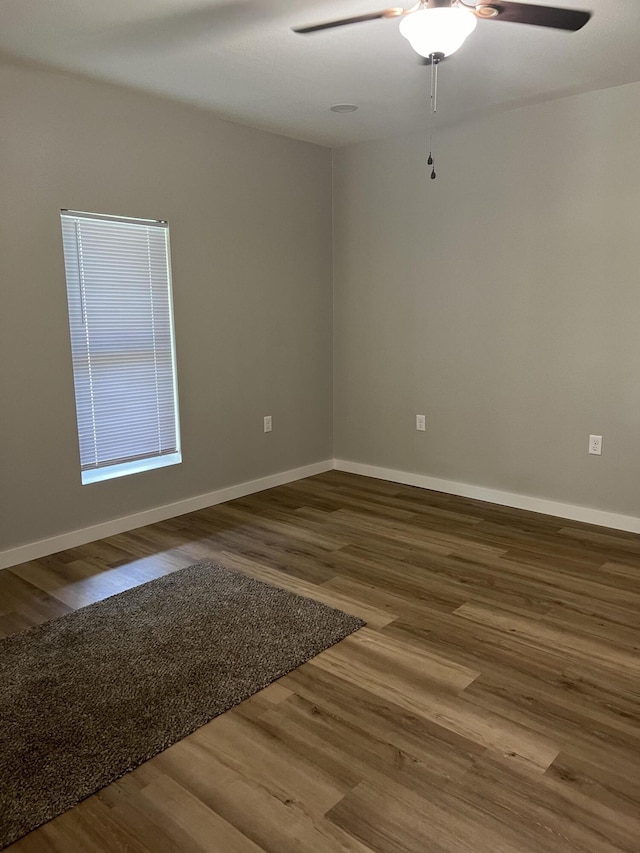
{"points": [[319, 403]]}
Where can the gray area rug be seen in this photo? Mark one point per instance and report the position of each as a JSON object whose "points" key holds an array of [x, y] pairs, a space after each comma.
{"points": [[91, 695]]}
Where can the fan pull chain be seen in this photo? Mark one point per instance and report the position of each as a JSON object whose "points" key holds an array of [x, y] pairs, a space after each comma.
{"points": [[434, 106], [434, 83]]}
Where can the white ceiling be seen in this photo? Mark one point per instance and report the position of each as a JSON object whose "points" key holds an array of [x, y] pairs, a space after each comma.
{"points": [[241, 59]]}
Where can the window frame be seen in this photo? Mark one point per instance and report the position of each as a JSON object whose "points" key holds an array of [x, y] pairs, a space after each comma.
{"points": [[166, 390]]}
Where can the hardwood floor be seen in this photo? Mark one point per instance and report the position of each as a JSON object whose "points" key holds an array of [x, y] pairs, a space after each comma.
{"points": [[491, 705]]}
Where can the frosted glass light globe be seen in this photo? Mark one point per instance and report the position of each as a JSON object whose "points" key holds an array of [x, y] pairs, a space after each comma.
{"points": [[439, 30]]}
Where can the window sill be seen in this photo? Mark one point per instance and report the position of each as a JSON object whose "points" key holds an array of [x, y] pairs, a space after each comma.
{"points": [[110, 472]]}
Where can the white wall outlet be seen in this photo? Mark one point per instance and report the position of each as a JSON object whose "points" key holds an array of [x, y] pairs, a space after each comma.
{"points": [[421, 423], [595, 445], [267, 423]]}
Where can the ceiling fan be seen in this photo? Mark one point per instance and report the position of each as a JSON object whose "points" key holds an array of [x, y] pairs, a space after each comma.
{"points": [[437, 28]]}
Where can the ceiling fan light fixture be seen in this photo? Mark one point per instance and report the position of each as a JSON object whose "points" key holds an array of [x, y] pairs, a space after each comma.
{"points": [[440, 30]]}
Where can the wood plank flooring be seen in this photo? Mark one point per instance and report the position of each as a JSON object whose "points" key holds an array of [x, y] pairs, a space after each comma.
{"points": [[491, 705]]}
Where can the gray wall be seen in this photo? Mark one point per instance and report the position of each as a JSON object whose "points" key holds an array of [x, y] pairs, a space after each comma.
{"points": [[501, 299], [250, 219]]}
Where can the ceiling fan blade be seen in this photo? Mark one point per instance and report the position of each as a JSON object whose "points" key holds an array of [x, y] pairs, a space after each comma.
{"points": [[394, 12], [539, 16]]}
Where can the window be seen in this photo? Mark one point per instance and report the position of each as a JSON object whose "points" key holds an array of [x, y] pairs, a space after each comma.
{"points": [[120, 313]]}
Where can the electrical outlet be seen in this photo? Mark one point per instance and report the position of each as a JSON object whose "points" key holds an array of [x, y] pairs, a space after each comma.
{"points": [[595, 445], [421, 423], [267, 423]]}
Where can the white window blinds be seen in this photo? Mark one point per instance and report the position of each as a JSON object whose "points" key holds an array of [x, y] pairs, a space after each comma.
{"points": [[120, 314]]}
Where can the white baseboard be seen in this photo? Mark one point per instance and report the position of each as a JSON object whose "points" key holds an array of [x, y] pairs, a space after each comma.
{"points": [[494, 496], [74, 538], [44, 547]]}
